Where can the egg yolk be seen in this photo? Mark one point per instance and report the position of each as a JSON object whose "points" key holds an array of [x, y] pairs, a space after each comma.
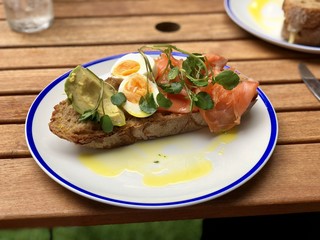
{"points": [[135, 88], [126, 68]]}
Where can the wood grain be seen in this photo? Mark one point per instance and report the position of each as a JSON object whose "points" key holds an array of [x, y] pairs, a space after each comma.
{"points": [[131, 8], [240, 51], [12, 141], [27, 81], [32, 81], [104, 30], [111, 8], [284, 97]]}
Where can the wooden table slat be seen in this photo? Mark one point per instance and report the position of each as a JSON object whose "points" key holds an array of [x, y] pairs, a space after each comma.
{"points": [[66, 9], [53, 205], [32, 81], [106, 31], [239, 50]]}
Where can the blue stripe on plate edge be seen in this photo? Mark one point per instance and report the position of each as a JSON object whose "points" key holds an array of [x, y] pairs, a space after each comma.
{"points": [[36, 155]]}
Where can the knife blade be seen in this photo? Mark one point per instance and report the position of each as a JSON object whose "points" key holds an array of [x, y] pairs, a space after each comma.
{"points": [[310, 80]]}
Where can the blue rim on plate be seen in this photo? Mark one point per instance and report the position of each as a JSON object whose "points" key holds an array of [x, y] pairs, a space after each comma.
{"points": [[232, 13], [71, 186]]}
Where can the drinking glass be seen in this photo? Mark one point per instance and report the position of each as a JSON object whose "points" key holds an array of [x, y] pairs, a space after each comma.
{"points": [[29, 16]]}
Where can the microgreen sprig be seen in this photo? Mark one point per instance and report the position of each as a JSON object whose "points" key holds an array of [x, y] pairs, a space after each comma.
{"points": [[195, 69], [148, 104]]}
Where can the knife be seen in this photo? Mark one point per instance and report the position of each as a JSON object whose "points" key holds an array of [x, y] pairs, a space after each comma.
{"points": [[310, 80]]}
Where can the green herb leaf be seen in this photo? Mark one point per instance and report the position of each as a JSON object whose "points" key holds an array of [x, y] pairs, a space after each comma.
{"points": [[204, 101], [194, 67], [92, 115], [188, 64], [196, 70], [85, 116], [174, 87], [118, 99], [148, 104], [163, 101], [228, 79], [198, 83], [106, 124], [173, 73]]}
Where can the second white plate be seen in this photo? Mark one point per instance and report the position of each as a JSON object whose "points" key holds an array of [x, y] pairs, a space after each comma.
{"points": [[265, 22]]}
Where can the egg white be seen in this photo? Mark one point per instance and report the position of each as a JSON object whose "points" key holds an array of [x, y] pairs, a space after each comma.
{"points": [[134, 108], [137, 57]]}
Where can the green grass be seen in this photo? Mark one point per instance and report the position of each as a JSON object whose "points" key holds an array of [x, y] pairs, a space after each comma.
{"points": [[25, 234], [169, 230]]}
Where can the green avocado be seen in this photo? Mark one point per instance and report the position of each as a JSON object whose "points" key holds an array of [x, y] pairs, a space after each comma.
{"points": [[83, 89]]}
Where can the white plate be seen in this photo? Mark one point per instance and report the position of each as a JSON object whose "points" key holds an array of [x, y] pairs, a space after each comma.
{"points": [[233, 161], [268, 27]]}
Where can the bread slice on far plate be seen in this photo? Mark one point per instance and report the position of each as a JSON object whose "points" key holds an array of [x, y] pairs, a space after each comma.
{"points": [[302, 22]]}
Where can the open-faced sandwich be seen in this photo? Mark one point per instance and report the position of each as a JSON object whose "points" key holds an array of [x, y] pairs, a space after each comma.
{"points": [[146, 98]]}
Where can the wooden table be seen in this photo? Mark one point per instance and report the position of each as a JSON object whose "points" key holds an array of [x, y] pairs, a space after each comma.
{"points": [[87, 30]]}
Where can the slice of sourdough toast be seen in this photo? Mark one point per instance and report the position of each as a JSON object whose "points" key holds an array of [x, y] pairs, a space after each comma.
{"points": [[65, 124]]}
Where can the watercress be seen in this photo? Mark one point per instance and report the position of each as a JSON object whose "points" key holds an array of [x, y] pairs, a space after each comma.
{"points": [[194, 69]]}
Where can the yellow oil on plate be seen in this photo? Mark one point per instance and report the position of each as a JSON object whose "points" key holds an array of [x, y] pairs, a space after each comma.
{"points": [[159, 162]]}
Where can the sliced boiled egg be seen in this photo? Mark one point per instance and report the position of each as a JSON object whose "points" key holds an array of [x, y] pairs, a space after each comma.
{"points": [[134, 87], [132, 63]]}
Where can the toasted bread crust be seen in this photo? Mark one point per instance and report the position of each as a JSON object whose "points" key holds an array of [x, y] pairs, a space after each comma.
{"points": [[65, 124]]}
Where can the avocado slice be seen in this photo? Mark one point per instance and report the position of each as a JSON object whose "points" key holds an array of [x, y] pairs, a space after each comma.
{"points": [[83, 89]]}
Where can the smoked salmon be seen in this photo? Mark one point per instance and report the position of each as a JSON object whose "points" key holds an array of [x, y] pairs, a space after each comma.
{"points": [[229, 105]]}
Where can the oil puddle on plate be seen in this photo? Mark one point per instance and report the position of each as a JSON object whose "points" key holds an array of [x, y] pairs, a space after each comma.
{"points": [[267, 14], [161, 162]]}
